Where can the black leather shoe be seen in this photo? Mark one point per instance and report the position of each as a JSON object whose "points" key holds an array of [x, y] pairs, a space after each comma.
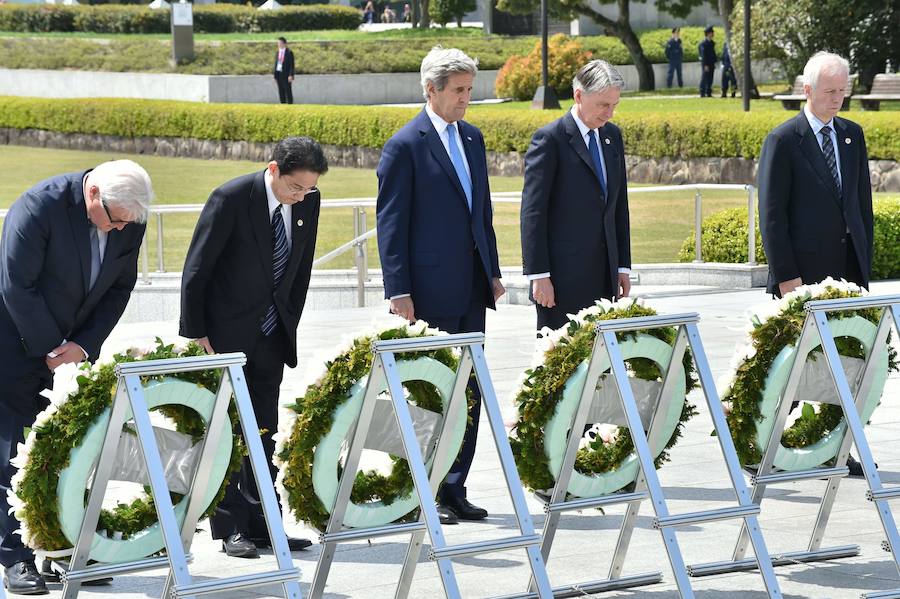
{"points": [[446, 516], [23, 578], [237, 545], [855, 467], [463, 509], [51, 571], [294, 544]]}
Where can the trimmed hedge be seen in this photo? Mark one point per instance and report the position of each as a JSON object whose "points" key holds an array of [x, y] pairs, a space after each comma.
{"points": [[724, 239], [673, 134], [113, 18]]}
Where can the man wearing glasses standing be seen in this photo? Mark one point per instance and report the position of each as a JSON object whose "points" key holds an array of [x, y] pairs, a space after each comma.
{"points": [[243, 289], [68, 264]]}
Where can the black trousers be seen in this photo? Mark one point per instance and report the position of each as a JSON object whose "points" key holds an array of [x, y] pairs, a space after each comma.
{"points": [[285, 93], [706, 81], [20, 402], [728, 78], [674, 69], [471, 322], [557, 316], [240, 510]]}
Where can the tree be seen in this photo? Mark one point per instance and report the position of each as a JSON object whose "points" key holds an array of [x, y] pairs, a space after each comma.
{"points": [[443, 11], [728, 11], [864, 31], [619, 27]]}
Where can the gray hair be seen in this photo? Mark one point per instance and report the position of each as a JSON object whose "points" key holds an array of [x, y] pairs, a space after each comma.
{"points": [[824, 62], [440, 63], [596, 76], [125, 184]]}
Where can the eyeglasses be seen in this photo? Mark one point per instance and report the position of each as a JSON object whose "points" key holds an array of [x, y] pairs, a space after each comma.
{"points": [[113, 221], [297, 189]]}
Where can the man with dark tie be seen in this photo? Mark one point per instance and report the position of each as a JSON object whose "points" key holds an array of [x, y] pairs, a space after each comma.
{"points": [[284, 72], [815, 195], [435, 233], [68, 264], [576, 239], [243, 289]]}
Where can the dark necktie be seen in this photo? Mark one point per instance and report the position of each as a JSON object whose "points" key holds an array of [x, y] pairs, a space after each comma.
{"points": [[828, 150], [95, 255], [594, 149], [279, 263]]}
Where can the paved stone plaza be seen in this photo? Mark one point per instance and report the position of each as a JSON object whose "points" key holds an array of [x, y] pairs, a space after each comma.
{"points": [[695, 479]]}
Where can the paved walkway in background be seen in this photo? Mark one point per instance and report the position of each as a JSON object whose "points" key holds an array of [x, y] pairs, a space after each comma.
{"points": [[695, 479]]}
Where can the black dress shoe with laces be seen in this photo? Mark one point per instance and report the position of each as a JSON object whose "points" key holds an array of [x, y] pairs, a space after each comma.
{"points": [[446, 516], [855, 467], [294, 543], [463, 509], [52, 569], [238, 545], [23, 578]]}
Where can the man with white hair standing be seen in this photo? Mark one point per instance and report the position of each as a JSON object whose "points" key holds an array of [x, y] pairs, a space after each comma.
{"points": [[68, 264], [435, 233], [815, 195], [576, 239]]}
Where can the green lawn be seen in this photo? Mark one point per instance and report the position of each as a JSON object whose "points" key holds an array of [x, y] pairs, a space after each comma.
{"points": [[660, 221]]}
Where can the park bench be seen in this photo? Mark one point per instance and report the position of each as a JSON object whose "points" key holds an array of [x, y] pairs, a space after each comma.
{"points": [[793, 100], [886, 86]]}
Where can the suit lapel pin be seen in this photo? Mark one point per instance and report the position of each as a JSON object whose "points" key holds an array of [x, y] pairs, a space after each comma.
{"points": [[847, 140], [469, 138], [606, 139], [299, 222]]}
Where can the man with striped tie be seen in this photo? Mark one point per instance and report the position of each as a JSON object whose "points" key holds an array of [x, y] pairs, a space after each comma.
{"points": [[245, 280], [815, 195]]}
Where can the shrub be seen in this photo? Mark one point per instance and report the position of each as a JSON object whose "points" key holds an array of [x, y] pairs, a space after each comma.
{"points": [[724, 239], [521, 75], [207, 19], [445, 11], [681, 135]]}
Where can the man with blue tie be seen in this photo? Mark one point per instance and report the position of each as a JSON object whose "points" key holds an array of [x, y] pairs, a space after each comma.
{"points": [[68, 264], [435, 233], [576, 240], [244, 285]]}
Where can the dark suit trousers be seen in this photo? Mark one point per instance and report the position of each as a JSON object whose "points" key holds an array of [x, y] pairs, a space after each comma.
{"points": [[556, 316], [285, 93], [470, 322], [240, 509], [706, 81], [20, 403]]}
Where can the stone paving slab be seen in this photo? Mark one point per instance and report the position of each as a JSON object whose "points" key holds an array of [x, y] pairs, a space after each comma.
{"points": [[695, 479]]}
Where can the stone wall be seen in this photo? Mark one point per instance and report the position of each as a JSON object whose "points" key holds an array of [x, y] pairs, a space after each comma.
{"points": [[669, 171]]}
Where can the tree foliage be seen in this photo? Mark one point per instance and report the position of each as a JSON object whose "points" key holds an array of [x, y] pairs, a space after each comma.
{"points": [[444, 11]]}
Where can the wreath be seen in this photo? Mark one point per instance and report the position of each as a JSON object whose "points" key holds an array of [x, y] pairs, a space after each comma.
{"points": [[58, 443], [309, 445], [605, 461], [760, 368]]}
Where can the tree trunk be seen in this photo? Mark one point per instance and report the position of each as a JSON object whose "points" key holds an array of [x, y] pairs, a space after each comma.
{"points": [[726, 8], [425, 18], [646, 77], [459, 22]]}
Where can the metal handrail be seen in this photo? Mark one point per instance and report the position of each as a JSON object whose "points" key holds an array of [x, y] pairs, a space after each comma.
{"points": [[362, 233]]}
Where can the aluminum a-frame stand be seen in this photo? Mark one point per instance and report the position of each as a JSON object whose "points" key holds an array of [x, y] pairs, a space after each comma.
{"points": [[817, 331], [384, 373], [130, 398], [607, 355]]}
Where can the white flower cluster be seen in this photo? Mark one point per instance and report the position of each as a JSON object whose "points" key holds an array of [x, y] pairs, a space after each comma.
{"points": [[760, 314], [316, 375]]}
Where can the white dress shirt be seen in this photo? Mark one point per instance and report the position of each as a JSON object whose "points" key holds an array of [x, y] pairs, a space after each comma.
{"points": [[273, 204], [585, 131]]}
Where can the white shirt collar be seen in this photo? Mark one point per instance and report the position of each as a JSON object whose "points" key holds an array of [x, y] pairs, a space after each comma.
{"points": [[440, 125], [270, 195], [815, 123], [584, 129]]}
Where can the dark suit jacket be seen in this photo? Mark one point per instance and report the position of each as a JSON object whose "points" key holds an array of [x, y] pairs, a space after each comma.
{"points": [[45, 269], [227, 284], [802, 216], [287, 67], [426, 236], [567, 228]]}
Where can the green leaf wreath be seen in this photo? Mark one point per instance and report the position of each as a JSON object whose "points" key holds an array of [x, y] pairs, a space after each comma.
{"points": [[543, 387], [295, 449], [60, 429], [767, 339]]}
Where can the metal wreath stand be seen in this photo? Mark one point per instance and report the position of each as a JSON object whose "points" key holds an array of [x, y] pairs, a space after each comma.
{"points": [[179, 582], [817, 332]]}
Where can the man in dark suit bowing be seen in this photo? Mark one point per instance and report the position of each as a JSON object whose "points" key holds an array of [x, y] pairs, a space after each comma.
{"points": [[245, 280], [576, 240], [435, 233], [68, 263], [815, 195], [284, 72]]}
